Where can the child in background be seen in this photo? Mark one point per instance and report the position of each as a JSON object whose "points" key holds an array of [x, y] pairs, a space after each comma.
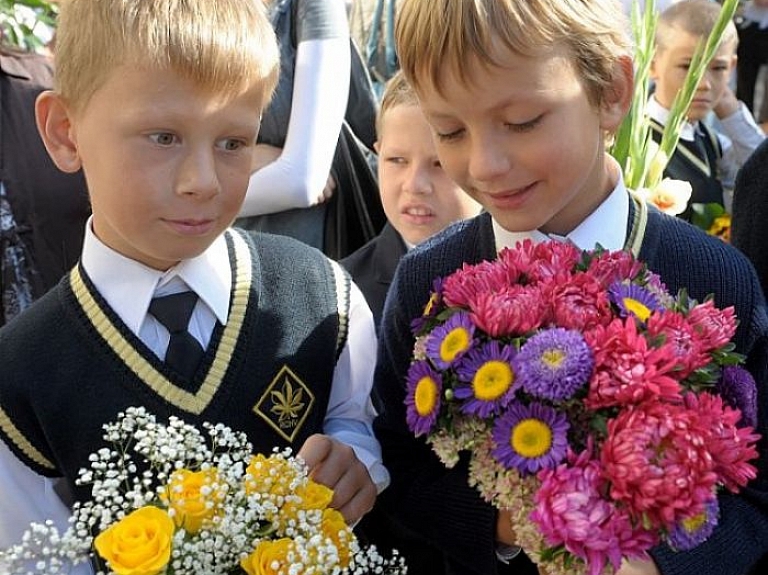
{"points": [[418, 197], [521, 96], [167, 170], [707, 159]]}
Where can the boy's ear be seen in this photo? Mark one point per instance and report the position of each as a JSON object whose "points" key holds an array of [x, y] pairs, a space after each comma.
{"points": [[55, 127], [617, 97], [376, 146]]}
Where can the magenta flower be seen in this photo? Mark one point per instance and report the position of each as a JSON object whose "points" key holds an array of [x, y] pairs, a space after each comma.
{"points": [[513, 311], [572, 511], [530, 437], [487, 381], [580, 303], [423, 397], [554, 364], [715, 326], [485, 277], [678, 334], [658, 464]]}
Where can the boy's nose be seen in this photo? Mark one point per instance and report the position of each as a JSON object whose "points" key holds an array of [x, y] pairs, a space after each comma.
{"points": [[487, 160], [197, 175], [417, 181]]}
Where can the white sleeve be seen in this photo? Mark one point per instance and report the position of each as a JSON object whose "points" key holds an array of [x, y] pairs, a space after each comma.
{"points": [[350, 411], [739, 137], [26, 497], [320, 92]]}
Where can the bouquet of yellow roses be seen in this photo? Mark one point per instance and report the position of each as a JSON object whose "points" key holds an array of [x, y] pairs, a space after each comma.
{"points": [[170, 499]]}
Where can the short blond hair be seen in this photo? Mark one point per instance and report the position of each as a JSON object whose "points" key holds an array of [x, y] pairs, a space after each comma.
{"points": [[696, 17], [397, 92], [225, 46], [433, 34]]}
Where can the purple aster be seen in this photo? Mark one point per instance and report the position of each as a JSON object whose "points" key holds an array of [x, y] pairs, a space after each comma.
{"points": [[423, 397], [434, 305], [692, 531], [449, 341], [530, 438], [554, 364], [634, 300], [737, 387], [487, 381]]}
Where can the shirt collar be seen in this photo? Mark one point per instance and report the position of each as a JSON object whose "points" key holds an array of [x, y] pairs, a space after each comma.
{"points": [[128, 286], [593, 230], [657, 112]]}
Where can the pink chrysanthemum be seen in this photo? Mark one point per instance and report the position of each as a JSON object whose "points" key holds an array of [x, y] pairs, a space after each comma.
{"points": [[483, 278], [520, 259], [571, 511], [581, 303], [608, 268], [657, 463], [715, 326], [627, 369], [515, 310], [730, 446], [674, 330], [553, 259]]}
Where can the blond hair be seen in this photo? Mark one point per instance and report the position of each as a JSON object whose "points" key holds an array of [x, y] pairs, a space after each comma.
{"points": [[225, 46], [397, 92], [434, 34], [696, 17]]}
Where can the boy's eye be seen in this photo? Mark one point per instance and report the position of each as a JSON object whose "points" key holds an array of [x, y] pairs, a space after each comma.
{"points": [[525, 126], [394, 160], [163, 138], [232, 144], [448, 136]]}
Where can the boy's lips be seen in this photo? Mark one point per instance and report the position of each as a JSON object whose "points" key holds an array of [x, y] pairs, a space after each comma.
{"points": [[510, 199], [191, 227], [417, 214]]}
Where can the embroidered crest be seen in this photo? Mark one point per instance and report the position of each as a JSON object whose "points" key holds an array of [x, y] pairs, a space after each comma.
{"points": [[285, 404]]}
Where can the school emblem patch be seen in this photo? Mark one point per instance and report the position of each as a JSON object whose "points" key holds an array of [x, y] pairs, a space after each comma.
{"points": [[285, 404]]}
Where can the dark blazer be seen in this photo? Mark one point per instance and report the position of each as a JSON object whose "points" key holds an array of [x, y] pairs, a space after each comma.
{"points": [[749, 231], [372, 267]]}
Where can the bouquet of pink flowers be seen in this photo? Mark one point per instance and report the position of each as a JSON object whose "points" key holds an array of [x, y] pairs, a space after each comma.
{"points": [[602, 411]]}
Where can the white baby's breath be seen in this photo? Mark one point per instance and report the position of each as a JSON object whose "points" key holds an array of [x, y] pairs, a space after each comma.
{"points": [[139, 469]]}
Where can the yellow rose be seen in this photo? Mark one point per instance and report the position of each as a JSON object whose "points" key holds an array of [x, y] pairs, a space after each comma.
{"points": [[138, 544], [336, 529], [268, 558], [192, 496], [269, 475], [312, 497]]}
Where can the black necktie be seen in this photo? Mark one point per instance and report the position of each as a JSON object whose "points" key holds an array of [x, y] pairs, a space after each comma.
{"points": [[173, 311]]}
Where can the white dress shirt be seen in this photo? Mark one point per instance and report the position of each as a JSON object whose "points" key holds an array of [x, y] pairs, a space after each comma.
{"points": [[128, 287]]}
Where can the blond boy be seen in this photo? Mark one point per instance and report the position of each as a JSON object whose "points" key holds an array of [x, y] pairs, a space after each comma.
{"points": [[521, 96], [160, 102], [706, 157], [419, 198]]}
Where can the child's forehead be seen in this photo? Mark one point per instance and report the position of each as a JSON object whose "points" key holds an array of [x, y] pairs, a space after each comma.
{"points": [[677, 39]]}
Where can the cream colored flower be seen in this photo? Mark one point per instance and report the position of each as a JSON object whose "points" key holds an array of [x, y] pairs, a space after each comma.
{"points": [[670, 196]]}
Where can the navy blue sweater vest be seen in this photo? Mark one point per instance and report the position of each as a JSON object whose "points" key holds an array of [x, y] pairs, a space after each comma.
{"points": [[70, 364]]}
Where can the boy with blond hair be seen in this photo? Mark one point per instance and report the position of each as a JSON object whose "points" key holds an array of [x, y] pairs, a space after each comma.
{"points": [[160, 103], [521, 96], [704, 156], [419, 198]]}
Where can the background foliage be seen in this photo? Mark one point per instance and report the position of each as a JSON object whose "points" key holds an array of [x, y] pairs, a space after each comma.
{"points": [[27, 24]]}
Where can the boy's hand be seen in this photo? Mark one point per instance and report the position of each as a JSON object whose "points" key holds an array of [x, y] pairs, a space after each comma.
{"points": [[726, 105], [335, 465]]}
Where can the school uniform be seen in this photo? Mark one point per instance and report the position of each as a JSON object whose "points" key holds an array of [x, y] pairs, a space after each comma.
{"points": [[373, 266], [89, 349], [707, 158], [439, 505]]}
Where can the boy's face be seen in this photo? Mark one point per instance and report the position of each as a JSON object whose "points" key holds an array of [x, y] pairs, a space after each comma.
{"points": [[670, 66], [524, 139], [167, 164], [418, 196]]}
